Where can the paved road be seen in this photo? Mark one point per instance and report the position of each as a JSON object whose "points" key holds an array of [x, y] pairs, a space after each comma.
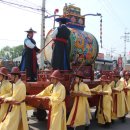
{"points": [[34, 124]]}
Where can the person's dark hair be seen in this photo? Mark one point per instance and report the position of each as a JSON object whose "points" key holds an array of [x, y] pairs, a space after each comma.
{"points": [[19, 75], [6, 77], [80, 79]]}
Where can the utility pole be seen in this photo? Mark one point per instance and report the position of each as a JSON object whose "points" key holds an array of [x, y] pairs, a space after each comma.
{"points": [[126, 39], [42, 34], [112, 51]]}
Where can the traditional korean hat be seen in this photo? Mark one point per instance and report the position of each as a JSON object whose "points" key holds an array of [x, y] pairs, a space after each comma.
{"points": [[57, 75], [79, 74], [4, 71], [126, 73], [110, 75], [15, 71], [30, 30], [104, 78], [63, 19]]}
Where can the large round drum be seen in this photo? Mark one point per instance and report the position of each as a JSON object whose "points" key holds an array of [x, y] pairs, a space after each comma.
{"points": [[84, 47]]}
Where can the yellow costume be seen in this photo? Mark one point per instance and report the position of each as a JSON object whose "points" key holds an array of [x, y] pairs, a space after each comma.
{"points": [[105, 104], [5, 91], [128, 94], [16, 119], [80, 113], [112, 84], [114, 97], [120, 101], [56, 95]]}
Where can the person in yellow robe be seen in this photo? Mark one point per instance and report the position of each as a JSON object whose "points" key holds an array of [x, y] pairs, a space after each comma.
{"points": [[120, 101], [127, 89], [114, 84], [5, 91], [105, 101], [55, 93], [111, 78], [80, 113], [16, 118], [114, 81]]}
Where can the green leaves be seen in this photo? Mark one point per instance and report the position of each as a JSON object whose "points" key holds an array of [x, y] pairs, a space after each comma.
{"points": [[8, 53]]}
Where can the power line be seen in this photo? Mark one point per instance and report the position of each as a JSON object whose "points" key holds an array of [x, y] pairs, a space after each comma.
{"points": [[32, 3], [110, 11], [24, 7], [20, 5], [108, 3], [110, 50]]}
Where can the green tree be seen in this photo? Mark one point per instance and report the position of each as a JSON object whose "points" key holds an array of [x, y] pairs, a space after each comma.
{"points": [[11, 53]]}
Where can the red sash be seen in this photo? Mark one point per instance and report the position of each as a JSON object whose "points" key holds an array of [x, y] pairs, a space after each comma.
{"points": [[75, 111], [8, 110], [115, 103], [34, 61], [60, 40]]}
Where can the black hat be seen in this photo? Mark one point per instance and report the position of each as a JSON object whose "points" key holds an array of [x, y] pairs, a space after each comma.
{"points": [[30, 30]]}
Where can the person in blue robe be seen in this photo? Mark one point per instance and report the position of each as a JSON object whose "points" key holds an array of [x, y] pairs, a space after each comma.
{"points": [[61, 47], [29, 58]]}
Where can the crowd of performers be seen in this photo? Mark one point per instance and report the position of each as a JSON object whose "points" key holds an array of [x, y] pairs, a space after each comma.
{"points": [[113, 92]]}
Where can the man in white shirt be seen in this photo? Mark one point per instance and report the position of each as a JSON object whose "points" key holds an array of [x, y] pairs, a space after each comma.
{"points": [[29, 59]]}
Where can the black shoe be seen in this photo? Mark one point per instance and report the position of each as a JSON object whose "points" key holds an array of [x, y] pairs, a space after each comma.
{"points": [[112, 121], [87, 127], [107, 125], [123, 119], [70, 128]]}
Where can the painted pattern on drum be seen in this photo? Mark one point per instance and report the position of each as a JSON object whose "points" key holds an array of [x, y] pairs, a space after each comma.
{"points": [[84, 47]]}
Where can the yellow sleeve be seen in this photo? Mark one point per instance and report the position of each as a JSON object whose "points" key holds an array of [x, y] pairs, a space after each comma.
{"points": [[98, 88], [59, 97], [86, 89], [8, 89], [128, 86], [109, 90], [75, 87], [19, 94], [129, 81], [46, 91], [112, 84], [120, 86]]}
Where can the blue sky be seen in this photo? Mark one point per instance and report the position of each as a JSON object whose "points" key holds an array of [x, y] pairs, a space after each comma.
{"points": [[116, 20]]}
